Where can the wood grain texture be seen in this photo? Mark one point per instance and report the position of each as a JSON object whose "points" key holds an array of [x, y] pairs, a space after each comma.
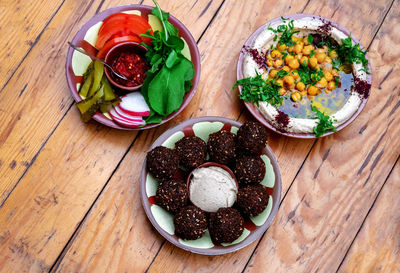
{"points": [[377, 246], [332, 194], [37, 97], [66, 178], [290, 152], [21, 24]]}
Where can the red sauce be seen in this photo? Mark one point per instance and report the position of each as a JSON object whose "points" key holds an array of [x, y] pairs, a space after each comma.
{"points": [[132, 66]]}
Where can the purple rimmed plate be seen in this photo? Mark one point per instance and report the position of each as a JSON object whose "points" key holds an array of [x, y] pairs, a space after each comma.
{"points": [[253, 109], [163, 221], [76, 62]]}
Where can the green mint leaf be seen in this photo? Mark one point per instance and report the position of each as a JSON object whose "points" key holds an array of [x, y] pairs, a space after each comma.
{"points": [[310, 39]]}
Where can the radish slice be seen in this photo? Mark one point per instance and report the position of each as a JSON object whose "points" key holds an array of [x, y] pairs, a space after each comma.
{"points": [[126, 116], [134, 104], [125, 122]]}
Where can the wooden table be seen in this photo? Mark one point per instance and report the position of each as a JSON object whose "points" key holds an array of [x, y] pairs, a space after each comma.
{"points": [[69, 191]]}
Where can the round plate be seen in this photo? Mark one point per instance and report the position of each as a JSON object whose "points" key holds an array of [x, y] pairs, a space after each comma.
{"points": [[88, 34], [163, 221], [252, 108]]}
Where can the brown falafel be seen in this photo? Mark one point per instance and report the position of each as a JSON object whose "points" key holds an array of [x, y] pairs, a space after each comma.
{"points": [[190, 223], [251, 137], [221, 147], [162, 162], [192, 151], [249, 169], [252, 199], [226, 225], [172, 195]]}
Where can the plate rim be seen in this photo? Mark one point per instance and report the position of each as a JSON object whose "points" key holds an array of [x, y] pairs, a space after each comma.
{"points": [[210, 251], [256, 113]]}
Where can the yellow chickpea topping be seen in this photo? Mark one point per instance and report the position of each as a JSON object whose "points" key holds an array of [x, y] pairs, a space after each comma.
{"points": [[328, 60], [290, 48], [286, 68], [282, 91], [288, 58], [272, 73], [298, 48], [296, 39], [296, 96], [278, 63], [295, 75], [335, 72], [288, 79], [322, 83], [320, 57], [319, 50], [304, 59], [313, 62], [303, 93], [269, 63], [279, 82], [298, 56], [275, 54], [312, 90], [300, 86], [331, 85], [325, 48], [281, 47], [294, 64], [333, 54], [305, 41], [328, 76], [307, 50]]}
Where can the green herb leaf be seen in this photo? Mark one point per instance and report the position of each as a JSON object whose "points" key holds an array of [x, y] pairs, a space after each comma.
{"points": [[172, 59], [310, 39], [324, 125], [281, 73]]}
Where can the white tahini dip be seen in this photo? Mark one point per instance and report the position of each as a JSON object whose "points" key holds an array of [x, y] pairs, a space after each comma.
{"points": [[212, 188]]}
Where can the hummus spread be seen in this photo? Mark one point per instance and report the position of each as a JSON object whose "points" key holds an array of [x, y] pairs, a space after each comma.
{"points": [[212, 188], [263, 42]]}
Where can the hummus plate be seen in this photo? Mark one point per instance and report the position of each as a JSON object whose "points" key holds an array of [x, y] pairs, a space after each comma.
{"points": [[341, 104]]}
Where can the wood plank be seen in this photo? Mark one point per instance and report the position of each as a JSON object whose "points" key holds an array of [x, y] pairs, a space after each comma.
{"points": [[376, 247], [52, 198], [39, 95], [332, 194], [290, 152], [21, 24]]}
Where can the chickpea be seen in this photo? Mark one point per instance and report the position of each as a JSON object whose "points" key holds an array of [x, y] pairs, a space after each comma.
{"points": [[294, 64], [272, 73], [320, 57], [303, 93], [279, 82], [322, 83], [295, 75], [275, 54], [282, 91], [333, 54], [331, 85], [312, 90], [281, 47], [300, 86], [278, 63], [313, 62], [307, 50], [290, 48], [304, 59], [296, 96], [288, 81], [298, 56], [298, 48], [325, 47], [335, 72], [269, 63], [328, 76], [288, 58], [328, 60], [319, 50], [305, 41], [286, 68]]}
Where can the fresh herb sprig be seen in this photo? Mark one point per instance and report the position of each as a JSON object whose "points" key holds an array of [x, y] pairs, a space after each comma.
{"points": [[256, 89], [169, 77], [286, 32], [349, 53], [324, 124], [309, 75]]}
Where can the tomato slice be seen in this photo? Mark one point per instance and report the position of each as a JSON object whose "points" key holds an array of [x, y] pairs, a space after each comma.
{"points": [[123, 18], [113, 41], [123, 30]]}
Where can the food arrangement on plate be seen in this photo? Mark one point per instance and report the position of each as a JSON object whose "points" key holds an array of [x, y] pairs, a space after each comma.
{"points": [[211, 185], [303, 76], [153, 71]]}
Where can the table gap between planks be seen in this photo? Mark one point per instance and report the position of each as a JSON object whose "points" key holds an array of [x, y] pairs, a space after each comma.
{"points": [[69, 199]]}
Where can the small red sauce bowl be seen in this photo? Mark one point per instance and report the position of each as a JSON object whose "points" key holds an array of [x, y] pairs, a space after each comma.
{"points": [[114, 53], [206, 165]]}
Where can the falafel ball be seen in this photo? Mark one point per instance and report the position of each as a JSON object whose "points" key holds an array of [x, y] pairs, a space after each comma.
{"points": [[172, 195], [252, 199], [190, 223], [192, 151], [162, 162], [251, 137], [249, 169], [226, 225], [221, 147]]}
